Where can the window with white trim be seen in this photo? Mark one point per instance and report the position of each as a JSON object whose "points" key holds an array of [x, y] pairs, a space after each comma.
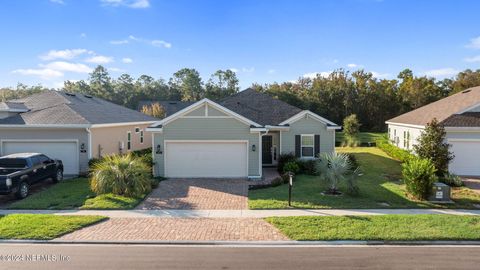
{"points": [[308, 145], [129, 140], [141, 136], [137, 129], [404, 139]]}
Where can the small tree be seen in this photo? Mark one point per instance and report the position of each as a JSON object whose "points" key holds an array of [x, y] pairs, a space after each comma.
{"points": [[335, 168], [155, 110], [419, 176], [351, 127], [432, 145]]}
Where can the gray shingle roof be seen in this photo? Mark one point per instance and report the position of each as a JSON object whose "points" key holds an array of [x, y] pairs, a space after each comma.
{"points": [[259, 107], [170, 107], [441, 109], [8, 106], [468, 119], [53, 107]]}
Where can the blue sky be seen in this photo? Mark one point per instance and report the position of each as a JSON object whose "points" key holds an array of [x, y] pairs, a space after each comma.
{"points": [[49, 41]]}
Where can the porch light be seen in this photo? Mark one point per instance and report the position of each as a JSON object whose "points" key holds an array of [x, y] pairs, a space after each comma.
{"points": [[254, 148], [159, 149], [82, 146]]}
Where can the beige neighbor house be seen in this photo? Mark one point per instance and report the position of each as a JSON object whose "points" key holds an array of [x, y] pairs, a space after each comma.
{"points": [[460, 115], [71, 127], [236, 137]]}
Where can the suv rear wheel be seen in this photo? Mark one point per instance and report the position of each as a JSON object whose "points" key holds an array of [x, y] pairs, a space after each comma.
{"points": [[22, 191], [58, 176]]}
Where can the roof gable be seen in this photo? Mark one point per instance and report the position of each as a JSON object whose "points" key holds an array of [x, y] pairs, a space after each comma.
{"points": [[441, 109]]}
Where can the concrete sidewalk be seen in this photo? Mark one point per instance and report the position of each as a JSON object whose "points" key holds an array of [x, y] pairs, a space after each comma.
{"points": [[242, 213]]}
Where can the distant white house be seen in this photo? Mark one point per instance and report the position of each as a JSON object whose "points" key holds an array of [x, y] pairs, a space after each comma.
{"points": [[459, 114]]}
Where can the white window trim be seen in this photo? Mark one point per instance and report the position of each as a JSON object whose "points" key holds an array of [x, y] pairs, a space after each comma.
{"points": [[301, 145], [142, 136], [129, 140]]}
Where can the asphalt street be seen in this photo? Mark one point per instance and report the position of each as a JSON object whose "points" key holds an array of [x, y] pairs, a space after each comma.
{"points": [[100, 256]]}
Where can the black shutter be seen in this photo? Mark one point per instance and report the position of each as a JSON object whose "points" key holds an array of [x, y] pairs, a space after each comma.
{"points": [[297, 145], [317, 145]]}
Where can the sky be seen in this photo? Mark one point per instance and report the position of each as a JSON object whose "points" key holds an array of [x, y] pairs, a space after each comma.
{"points": [[264, 41]]}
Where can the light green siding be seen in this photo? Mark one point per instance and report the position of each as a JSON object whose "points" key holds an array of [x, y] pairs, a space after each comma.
{"points": [[308, 126], [197, 112], [214, 112], [207, 129]]}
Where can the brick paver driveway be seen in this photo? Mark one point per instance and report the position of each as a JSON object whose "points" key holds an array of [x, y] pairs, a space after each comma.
{"points": [[171, 229], [197, 194]]}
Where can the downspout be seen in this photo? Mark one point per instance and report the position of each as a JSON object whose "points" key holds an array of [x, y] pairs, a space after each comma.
{"points": [[89, 146]]}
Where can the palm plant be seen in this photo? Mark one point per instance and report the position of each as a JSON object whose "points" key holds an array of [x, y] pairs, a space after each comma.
{"points": [[124, 175], [335, 168]]}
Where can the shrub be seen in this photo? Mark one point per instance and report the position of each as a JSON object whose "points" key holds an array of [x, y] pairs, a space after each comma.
{"points": [[351, 126], [419, 176], [352, 159], [124, 175], [393, 151], [307, 166], [432, 145], [283, 159], [452, 180], [335, 168], [292, 167]]}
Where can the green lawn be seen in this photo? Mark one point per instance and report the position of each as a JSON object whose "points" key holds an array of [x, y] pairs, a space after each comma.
{"points": [[386, 227], [42, 227], [364, 137], [72, 194], [380, 187]]}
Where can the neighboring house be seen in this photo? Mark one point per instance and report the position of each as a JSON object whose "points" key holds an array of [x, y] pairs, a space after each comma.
{"points": [[459, 114], [71, 127], [237, 136]]}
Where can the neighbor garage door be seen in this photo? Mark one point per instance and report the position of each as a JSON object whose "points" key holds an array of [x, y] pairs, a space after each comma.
{"points": [[467, 158], [67, 152], [206, 159]]}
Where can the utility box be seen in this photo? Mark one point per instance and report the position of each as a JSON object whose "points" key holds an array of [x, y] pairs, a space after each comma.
{"points": [[440, 193]]}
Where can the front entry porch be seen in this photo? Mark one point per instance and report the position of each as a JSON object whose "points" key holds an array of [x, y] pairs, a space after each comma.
{"points": [[270, 149]]}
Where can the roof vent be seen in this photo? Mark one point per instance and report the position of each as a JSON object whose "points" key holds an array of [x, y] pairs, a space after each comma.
{"points": [[70, 94], [466, 91], [87, 96]]}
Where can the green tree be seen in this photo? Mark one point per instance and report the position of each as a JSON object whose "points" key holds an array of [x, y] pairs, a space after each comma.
{"points": [[432, 145], [101, 83], [187, 81], [351, 127], [222, 84]]}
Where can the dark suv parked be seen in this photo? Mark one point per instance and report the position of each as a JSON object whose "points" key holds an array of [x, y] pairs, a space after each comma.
{"points": [[19, 171]]}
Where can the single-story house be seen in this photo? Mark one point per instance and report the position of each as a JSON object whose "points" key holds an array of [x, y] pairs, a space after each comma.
{"points": [[459, 114], [236, 137], [71, 127]]}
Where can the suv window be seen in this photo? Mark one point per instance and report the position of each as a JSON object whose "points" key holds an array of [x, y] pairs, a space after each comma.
{"points": [[43, 158], [35, 160], [13, 163]]}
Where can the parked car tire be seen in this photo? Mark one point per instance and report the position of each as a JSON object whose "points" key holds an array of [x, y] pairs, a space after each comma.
{"points": [[23, 190], [58, 176]]}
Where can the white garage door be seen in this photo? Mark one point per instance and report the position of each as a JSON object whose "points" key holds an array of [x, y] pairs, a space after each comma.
{"points": [[206, 159], [467, 158], [67, 152]]}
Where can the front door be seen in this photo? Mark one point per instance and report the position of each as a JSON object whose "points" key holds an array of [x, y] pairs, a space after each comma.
{"points": [[267, 150]]}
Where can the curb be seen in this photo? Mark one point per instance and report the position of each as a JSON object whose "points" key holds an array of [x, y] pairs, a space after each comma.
{"points": [[247, 243]]}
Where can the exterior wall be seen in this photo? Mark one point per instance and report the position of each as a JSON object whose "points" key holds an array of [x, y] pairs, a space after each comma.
{"points": [[109, 139], [396, 135], [207, 129], [33, 134], [474, 135], [307, 125]]}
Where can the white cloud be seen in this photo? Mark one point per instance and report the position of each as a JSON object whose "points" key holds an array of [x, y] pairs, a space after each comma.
{"points": [[161, 43], [271, 71], [313, 75], [61, 2], [66, 66], [380, 75], [127, 60], [44, 73], [119, 42], [99, 59], [233, 70], [474, 43], [473, 59], [242, 70], [64, 54], [352, 65], [127, 3], [83, 35], [114, 69], [441, 73]]}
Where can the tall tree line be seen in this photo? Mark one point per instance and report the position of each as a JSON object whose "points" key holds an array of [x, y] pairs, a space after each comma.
{"points": [[373, 100], [335, 96]]}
